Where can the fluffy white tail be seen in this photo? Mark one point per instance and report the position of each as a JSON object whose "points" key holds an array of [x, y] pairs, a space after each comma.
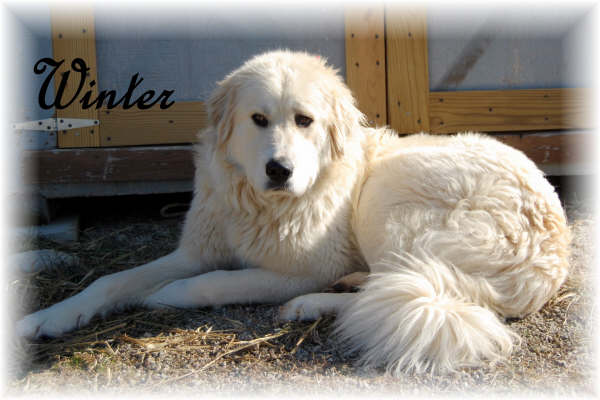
{"points": [[417, 317]]}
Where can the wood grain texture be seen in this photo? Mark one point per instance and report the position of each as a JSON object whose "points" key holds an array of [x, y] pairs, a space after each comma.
{"points": [[103, 165], [407, 68], [175, 163], [177, 124], [548, 148], [73, 36], [365, 59], [509, 110]]}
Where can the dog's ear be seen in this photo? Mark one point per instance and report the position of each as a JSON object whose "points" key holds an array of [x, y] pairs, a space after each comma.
{"points": [[346, 118], [220, 109]]}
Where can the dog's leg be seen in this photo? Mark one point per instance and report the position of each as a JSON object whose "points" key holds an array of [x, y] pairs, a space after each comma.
{"points": [[312, 306], [108, 292], [230, 287]]}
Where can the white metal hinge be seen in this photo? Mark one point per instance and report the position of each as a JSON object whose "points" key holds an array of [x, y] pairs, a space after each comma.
{"points": [[54, 124]]}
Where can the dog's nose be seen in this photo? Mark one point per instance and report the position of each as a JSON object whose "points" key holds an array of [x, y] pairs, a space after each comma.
{"points": [[279, 171]]}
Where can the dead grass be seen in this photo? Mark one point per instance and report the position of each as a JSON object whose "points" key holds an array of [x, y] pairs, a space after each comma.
{"points": [[242, 349]]}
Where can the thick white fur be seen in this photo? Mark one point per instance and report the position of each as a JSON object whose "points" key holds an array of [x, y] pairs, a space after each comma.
{"points": [[457, 231]]}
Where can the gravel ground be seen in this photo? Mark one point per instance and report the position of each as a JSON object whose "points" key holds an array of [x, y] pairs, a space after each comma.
{"points": [[243, 350]]}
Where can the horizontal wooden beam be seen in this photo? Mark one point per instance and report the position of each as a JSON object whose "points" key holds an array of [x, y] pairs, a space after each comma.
{"points": [[179, 123], [105, 165], [570, 152], [509, 110], [449, 112]]}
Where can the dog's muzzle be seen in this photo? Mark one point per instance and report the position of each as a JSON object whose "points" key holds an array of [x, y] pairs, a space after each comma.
{"points": [[279, 172]]}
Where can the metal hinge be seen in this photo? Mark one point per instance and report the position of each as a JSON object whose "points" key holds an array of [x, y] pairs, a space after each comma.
{"points": [[54, 124]]}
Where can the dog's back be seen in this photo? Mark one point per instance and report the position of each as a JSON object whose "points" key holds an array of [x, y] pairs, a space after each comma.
{"points": [[455, 230]]}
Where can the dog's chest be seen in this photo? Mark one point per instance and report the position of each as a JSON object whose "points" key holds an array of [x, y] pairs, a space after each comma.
{"points": [[296, 238]]}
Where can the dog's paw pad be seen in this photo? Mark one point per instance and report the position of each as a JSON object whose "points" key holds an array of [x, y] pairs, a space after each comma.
{"points": [[51, 322], [30, 327]]}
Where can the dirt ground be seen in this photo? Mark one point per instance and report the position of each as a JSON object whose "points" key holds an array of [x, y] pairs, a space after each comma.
{"points": [[244, 350]]}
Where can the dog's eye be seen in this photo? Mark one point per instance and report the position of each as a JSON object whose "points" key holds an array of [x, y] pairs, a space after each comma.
{"points": [[260, 120], [303, 121]]}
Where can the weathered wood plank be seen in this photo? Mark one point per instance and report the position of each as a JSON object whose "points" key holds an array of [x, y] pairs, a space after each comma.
{"points": [[407, 68], [175, 163], [103, 165], [365, 59], [571, 151]]}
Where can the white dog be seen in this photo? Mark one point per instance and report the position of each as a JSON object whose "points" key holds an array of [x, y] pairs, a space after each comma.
{"points": [[293, 191]]}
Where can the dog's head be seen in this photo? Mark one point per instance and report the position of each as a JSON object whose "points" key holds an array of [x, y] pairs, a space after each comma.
{"points": [[281, 118]]}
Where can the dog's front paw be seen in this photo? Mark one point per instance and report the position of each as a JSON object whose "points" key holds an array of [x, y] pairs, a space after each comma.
{"points": [[302, 308], [53, 321]]}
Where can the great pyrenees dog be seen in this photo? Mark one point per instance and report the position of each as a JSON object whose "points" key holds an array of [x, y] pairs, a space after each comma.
{"points": [[293, 192]]}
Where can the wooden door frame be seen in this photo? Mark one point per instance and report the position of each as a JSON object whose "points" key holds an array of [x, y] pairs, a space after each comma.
{"points": [[552, 126], [412, 107]]}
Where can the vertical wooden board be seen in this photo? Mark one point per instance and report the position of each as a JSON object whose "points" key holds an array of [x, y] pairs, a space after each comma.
{"points": [[365, 59], [73, 36], [407, 68]]}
